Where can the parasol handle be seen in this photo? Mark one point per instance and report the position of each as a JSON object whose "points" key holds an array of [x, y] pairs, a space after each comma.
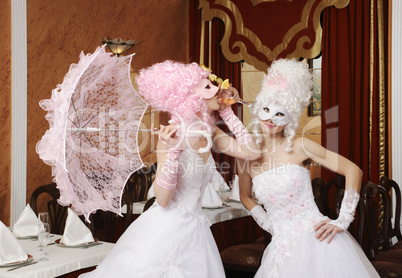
{"points": [[195, 132]]}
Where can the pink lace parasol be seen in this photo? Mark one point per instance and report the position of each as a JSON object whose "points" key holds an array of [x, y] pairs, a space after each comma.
{"points": [[91, 143]]}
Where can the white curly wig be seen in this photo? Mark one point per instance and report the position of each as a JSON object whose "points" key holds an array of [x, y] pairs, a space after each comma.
{"points": [[289, 84]]}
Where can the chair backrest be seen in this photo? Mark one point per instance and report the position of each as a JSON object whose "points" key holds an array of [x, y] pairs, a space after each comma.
{"points": [[377, 219], [318, 188], [150, 173], [57, 212], [390, 184], [149, 203], [332, 197], [106, 224], [139, 183]]}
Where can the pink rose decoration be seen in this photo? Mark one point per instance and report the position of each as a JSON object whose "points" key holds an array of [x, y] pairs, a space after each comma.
{"points": [[304, 205], [282, 247], [290, 213], [271, 198], [291, 197], [276, 82]]}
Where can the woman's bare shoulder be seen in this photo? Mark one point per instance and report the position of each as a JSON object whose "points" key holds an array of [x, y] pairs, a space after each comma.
{"points": [[301, 145], [302, 142]]}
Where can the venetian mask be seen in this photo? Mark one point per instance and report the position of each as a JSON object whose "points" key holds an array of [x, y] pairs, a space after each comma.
{"points": [[206, 89], [276, 113]]}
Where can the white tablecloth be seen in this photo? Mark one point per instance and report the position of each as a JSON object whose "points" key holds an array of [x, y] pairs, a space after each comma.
{"points": [[230, 210], [62, 260]]}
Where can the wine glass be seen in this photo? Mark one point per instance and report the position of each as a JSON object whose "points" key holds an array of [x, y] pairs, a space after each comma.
{"points": [[43, 217], [44, 238], [221, 190], [230, 96]]}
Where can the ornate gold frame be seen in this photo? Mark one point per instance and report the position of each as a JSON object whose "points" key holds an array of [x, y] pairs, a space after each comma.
{"points": [[208, 14]]}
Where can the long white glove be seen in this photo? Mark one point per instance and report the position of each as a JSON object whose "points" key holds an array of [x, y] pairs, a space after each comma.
{"points": [[168, 176], [261, 217], [348, 208]]}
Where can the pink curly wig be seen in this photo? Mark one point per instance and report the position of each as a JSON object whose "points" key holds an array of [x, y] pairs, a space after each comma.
{"points": [[168, 86]]}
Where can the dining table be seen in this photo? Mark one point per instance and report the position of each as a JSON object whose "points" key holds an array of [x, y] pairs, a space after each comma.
{"points": [[63, 260]]}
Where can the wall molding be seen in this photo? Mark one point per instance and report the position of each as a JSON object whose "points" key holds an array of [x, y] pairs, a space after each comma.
{"points": [[19, 85]]}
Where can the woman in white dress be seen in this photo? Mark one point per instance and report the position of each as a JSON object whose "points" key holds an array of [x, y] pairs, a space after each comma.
{"points": [[173, 238], [305, 243]]}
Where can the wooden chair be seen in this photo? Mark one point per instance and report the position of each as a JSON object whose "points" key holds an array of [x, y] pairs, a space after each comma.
{"points": [[388, 269], [149, 203], [243, 260], [332, 196], [390, 185], [318, 189], [57, 212], [380, 244], [150, 173], [386, 260], [139, 183], [108, 226], [332, 200]]}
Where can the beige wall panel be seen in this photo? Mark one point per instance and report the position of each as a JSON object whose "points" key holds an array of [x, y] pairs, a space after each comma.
{"points": [[59, 30]]}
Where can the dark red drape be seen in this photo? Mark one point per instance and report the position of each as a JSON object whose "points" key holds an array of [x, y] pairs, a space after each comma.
{"points": [[346, 92], [219, 66]]}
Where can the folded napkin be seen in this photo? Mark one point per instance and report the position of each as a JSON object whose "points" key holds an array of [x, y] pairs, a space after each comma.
{"points": [[211, 198], [27, 223], [235, 194], [218, 182], [10, 249], [75, 232]]}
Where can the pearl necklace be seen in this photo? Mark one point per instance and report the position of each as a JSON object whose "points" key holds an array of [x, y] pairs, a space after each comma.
{"points": [[270, 149]]}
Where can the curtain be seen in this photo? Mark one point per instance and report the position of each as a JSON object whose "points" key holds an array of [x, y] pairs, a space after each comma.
{"points": [[205, 48], [354, 85]]}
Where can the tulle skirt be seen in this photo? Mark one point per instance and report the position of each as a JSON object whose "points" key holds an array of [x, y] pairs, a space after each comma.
{"points": [[309, 257], [163, 242]]}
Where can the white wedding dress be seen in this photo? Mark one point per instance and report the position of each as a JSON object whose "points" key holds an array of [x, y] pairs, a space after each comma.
{"points": [[294, 251], [174, 241]]}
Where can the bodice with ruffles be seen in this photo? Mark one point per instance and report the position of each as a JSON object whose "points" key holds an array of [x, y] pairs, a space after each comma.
{"points": [[287, 196], [192, 178]]}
